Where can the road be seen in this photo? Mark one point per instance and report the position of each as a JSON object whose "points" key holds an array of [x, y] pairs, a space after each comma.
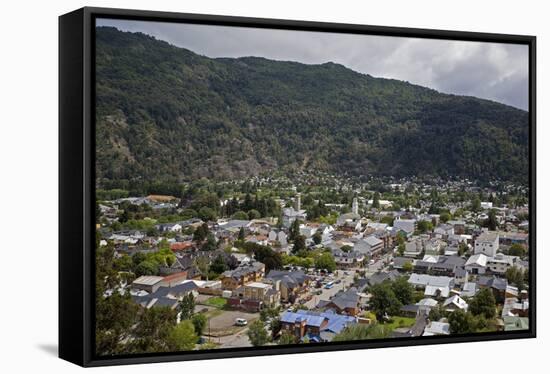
{"points": [[378, 265], [346, 282], [231, 341]]}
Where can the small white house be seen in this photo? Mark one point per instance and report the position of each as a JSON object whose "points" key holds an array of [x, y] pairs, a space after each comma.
{"points": [[476, 264]]}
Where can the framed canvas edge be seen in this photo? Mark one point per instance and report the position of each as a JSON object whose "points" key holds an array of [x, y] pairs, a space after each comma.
{"points": [[85, 337]]}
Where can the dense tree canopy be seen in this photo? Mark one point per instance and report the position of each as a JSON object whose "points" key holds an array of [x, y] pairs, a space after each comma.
{"points": [[227, 118]]}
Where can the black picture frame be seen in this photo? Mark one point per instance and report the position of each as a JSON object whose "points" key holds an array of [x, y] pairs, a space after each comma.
{"points": [[77, 188]]}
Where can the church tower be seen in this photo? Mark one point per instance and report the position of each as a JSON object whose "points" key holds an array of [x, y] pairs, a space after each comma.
{"points": [[355, 206]]}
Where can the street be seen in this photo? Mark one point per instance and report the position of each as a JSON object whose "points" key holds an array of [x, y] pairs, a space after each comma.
{"points": [[346, 282]]}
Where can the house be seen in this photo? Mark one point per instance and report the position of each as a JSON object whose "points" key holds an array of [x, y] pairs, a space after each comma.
{"points": [[349, 220], [242, 258], [459, 227], [500, 263], [461, 275], [181, 246], [308, 231], [245, 273], [443, 231], [509, 238], [413, 248], [373, 227], [447, 265], [290, 214], [422, 307], [405, 225], [455, 303], [487, 243], [384, 204], [233, 225], [399, 262], [437, 328], [164, 295], [279, 237], [486, 205], [383, 276], [369, 246], [514, 307], [469, 289], [149, 283], [254, 296], [476, 264], [433, 246], [314, 326], [344, 302], [497, 285], [422, 266], [436, 286], [257, 239], [169, 227], [346, 260], [290, 283]]}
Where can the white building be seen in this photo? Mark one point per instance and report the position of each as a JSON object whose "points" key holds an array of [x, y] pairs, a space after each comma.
{"points": [[487, 243], [500, 263], [476, 264]]}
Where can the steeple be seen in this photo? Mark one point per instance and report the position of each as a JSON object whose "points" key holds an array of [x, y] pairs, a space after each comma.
{"points": [[355, 206], [298, 202]]}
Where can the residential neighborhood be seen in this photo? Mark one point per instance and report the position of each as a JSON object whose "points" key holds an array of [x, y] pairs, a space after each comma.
{"points": [[310, 258]]}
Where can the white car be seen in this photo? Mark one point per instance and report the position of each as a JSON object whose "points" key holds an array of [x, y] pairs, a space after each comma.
{"points": [[241, 322]]}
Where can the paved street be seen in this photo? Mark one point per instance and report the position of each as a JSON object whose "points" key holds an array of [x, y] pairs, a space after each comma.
{"points": [[346, 282], [237, 340]]}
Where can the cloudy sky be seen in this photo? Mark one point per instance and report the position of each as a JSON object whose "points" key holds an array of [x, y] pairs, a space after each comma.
{"points": [[492, 71]]}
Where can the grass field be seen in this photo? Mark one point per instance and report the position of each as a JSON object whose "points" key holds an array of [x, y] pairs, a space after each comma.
{"points": [[216, 301], [397, 322]]}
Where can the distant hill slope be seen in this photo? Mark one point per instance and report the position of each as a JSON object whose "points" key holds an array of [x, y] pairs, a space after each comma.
{"points": [[166, 113]]}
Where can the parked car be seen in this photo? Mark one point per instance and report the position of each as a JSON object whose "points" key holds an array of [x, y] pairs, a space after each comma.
{"points": [[241, 322]]}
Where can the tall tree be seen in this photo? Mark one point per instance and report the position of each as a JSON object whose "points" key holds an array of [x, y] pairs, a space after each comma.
{"points": [[403, 290], [199, 321], [376, 200], [186, 306], [461, 322], [299, 244], [182, 337], [257, 334], [383, 300], [483, 303]]}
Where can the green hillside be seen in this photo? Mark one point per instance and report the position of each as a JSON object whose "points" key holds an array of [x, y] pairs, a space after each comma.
{"points": [[167, 114]]}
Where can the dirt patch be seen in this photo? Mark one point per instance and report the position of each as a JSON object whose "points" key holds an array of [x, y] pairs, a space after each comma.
{"points": [[222, 322]]}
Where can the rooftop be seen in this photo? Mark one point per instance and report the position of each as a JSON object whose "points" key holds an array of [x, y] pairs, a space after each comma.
{"points": [[148, 280]]}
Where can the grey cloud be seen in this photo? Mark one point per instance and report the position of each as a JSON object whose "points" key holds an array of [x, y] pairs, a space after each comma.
{"points": [[492, 71]]}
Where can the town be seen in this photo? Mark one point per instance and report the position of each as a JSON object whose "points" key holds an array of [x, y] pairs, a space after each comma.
{"points": [[307, 258]]}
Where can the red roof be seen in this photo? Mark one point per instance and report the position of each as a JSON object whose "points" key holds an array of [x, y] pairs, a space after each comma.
{"points": [[175, 276], [181, 246]]}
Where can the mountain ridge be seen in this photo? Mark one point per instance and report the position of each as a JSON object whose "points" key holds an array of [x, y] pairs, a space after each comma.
{"points": [[166, 113]]}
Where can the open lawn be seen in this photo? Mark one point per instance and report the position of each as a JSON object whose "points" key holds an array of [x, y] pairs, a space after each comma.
{"points": [[216, 301], [397, 322]]}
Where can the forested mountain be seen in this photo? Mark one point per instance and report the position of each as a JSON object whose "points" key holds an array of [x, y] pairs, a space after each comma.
{"points": [[166, 113]]}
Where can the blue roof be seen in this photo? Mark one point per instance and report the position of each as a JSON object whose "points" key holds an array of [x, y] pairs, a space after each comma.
{"points": [[311, 320], [336, 322]]}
